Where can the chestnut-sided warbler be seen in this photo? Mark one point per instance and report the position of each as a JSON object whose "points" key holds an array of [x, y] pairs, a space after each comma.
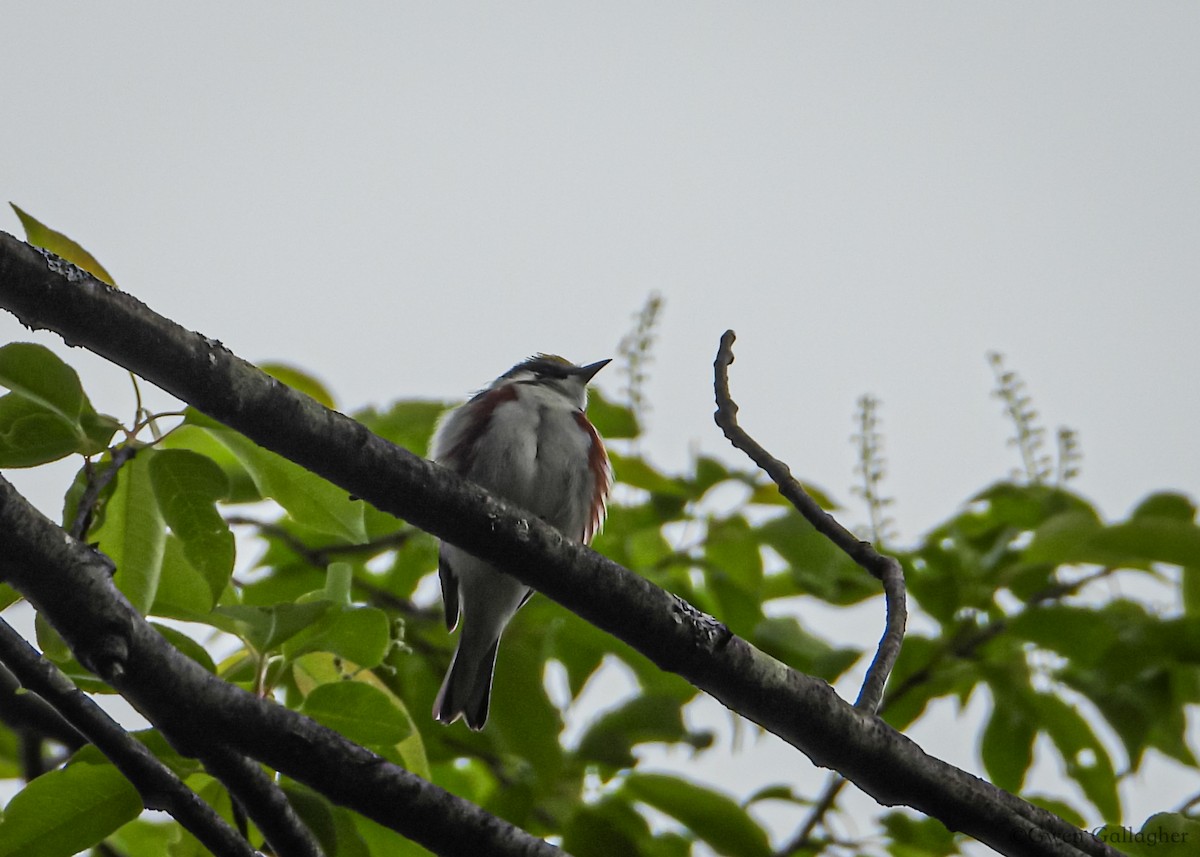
{"points": [[526, 438]]}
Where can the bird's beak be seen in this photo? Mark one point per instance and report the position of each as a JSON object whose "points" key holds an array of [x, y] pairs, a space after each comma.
{"points": [[589, 371]]}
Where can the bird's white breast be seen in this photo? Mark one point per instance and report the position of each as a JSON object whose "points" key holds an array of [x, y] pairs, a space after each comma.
{"points": [[535, 454]]}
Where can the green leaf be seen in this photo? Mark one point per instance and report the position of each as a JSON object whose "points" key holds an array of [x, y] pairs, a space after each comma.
{"points": [[1151, 540], [406, 424], [647, 547], [8, 596], [1087, 761], [381, 841], [41, 235], [360, 712], [40, 375], [612, 421], [636, 471], [1063, 810], [610, 738], [1074, 632], [133, 533], [1167, 834], [578, 646], [338, 579], [98, 429], [320, 668], [47, 414], [917, 836], [608, 827], [1078, 538], [268, 628], [1027, 506], [1190, 591], [203, 439], [711, 816], [187, 486], [51, 643], [817, 567], [522, 718], [215, 795], [187, 646], [1007, 743], [318, 815], [182, 766], [733, 546], [31, 435], [358, 634], [299, 380], [739, 605], [308, 498], [707, 473], [145, 837], [785, 638], [183, 592], [66, 811], [926, 670], [1167, 504]]}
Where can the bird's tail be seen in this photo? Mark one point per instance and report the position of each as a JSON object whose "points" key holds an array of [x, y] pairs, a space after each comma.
{"points": [[467, 688]]}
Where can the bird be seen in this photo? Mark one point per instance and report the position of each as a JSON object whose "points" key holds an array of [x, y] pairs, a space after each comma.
{"points": [[525, 437]]}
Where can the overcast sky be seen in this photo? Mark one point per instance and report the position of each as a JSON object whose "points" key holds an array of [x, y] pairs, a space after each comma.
{"points": [[406, 199]]}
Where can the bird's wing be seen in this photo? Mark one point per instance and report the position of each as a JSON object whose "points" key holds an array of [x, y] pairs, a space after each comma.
{"points": [[601, 470], [449, 589]]}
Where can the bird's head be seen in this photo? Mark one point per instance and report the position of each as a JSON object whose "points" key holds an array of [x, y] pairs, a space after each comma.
{"points": [[552, 372]]}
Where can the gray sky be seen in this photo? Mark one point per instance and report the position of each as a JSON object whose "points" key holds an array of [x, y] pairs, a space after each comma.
{"points": [[406, 199]]}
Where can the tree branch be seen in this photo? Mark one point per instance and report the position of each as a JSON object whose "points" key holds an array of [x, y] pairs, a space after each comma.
{"points": [[70, 584], [158, 786], [78, 598], [263, 800], [885, 568], [28, 713]]}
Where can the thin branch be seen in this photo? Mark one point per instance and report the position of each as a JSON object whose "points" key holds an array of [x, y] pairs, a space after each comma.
{"points": [[1188, 805], [885, 568], [28, 713], [803, 838], [320, 557], [263, 801], [158, 786], [86, 509]]}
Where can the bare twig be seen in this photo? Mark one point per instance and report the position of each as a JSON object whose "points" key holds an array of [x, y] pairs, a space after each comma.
{"points": [[1189, 804], [86, 509], [885, 568], [319, 557], [803, 839]]}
